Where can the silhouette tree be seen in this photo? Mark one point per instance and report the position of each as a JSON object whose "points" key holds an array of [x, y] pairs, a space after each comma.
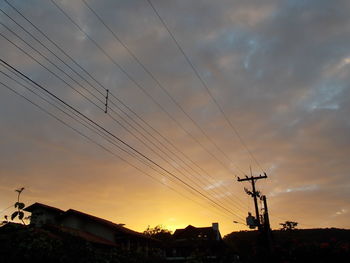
{"points": [[19, 205], [289, 225], [158, 232]]}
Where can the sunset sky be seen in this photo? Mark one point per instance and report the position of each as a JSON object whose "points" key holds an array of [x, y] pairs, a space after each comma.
{"points": [[237, 84]]}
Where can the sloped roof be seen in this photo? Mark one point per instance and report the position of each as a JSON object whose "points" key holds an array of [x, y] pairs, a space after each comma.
{"points": [[82, 234], [102, 221], [45, 207], [117, 227]]}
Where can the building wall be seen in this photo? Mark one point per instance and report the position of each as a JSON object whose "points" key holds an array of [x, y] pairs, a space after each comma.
{"points": [[130, 242], [89, 226], [41, 217]]}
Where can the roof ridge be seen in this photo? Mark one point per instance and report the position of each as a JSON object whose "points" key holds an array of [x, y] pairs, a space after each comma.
{"points": [[28, 208]]}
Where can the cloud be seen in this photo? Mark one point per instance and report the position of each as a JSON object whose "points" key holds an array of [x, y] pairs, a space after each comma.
{"points": [[280, 71]]}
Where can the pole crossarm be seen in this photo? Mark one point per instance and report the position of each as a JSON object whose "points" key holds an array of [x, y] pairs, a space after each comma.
{"points": [[252, 178], [254, 194]]}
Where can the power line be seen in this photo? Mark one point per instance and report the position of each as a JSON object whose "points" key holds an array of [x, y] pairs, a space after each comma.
{"points": [[120, 140], [5, 209], [139, 85], [204, 84], [104, 148], [53, 73], [94, 86], [81, 69], [85, 124], [90, 127], [159, 84], [59, 48], [156, 80], [193, 181], [91, 140], [158, 154], [40, 42], [45, 57], [136, 83]]}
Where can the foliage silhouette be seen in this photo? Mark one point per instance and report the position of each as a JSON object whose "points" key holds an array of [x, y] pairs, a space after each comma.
{"points": [[297, 246], [289, 225], [19, 213], [19, 205], [21, 243], [158, 232]]}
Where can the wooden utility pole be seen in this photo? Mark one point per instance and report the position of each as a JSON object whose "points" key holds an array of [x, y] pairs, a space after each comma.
{"points": [[254, 193], [266, 214], [264, 229]]}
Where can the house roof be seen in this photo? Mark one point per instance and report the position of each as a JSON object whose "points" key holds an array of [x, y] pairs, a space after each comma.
{"points": [[45, 207], [191, 232], [81, 234], [118, 227]]}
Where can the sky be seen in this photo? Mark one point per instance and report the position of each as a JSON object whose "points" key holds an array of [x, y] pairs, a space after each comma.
{"points": [[264, 87]]}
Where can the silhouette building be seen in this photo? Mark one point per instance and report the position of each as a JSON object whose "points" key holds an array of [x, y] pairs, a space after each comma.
{"points": [[190, 243], [90, 227]]}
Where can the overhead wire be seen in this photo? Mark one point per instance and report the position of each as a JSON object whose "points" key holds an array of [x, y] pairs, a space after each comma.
{"points": [[122, 141], [59, 48], [137, 84], [86, 123], [77, 64], [159, 84], [106, 137], [222, 112], [45, 57], [5, 209], [189, 178], [74, 113], [118, 155], [109, 151], [53, 73], [205, 85], [151, 167]]}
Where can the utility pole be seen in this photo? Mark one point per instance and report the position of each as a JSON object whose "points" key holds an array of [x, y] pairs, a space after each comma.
{"points": [[266, 214], [264, 227], [254, 193]]}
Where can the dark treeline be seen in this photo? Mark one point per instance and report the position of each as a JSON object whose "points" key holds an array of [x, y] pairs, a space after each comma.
{"points": [[298, 245], [20, 243]]}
